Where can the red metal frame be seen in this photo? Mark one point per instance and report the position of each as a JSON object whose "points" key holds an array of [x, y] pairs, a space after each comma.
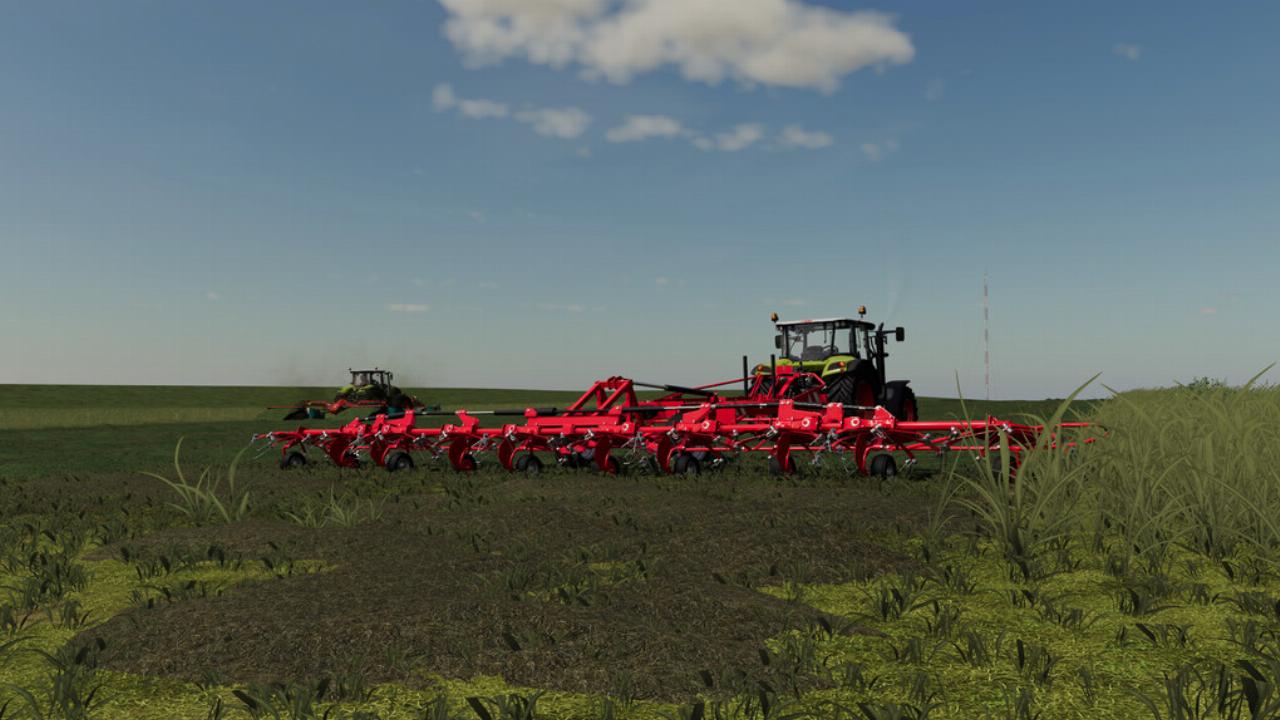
{"points": [[610, 418]]}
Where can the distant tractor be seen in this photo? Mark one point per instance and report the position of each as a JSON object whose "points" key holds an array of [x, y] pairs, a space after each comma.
{"points": [[368, 388], [848, 355]]}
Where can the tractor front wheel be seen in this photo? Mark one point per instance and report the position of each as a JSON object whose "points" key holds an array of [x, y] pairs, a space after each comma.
{"points": [[902, 404]]}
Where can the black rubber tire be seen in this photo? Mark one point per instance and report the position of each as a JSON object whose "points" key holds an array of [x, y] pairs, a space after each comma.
{"points": [[683, 463], [469, 463], [580, 460], [528, 464], [997, 467], [615, 467], [399, 461], [848, 389], [293, 460], [775, 467], [902, 405], [840, 389], [883, 466]]}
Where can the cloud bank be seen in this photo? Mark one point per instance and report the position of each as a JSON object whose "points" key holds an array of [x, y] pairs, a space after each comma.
{"points": [[785, 43]]}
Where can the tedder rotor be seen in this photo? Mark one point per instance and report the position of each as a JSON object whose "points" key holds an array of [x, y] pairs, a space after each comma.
{"points": [[826, 397]]}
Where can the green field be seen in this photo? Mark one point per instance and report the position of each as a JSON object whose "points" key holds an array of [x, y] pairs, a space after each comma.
{"points": [[87, 429], [1138, 577]]}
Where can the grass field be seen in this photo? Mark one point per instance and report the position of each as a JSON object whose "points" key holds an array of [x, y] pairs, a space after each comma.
{"points": [[1136, 578]]}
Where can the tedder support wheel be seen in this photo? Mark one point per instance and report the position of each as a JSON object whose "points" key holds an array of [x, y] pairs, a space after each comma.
{"points": [[997, 467], [775, 467], [685, 464], [883, 466], [529, 464], [399, 461], [467, 463], [293, 460]]}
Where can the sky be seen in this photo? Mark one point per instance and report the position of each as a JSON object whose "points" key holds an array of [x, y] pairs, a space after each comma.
{"points": [[539, 193]]}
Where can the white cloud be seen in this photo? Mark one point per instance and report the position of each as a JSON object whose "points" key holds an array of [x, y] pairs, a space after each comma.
{"points": [[1208, 311], [662, 281], [936, 88], [794, 136], [875, 151], [736, 139], [1128, 51], [787, 43], [211, 295], [561, 307], [482, 108], [443, 98], [565, 123], [477, 216], [642, 127], [408, 307]]}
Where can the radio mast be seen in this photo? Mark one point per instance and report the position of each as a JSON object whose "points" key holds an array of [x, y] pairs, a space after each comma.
{"points": [[986, 335]]}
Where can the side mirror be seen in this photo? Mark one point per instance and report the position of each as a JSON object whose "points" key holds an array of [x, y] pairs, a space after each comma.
{"points": [[900, 334], [777, 341]]}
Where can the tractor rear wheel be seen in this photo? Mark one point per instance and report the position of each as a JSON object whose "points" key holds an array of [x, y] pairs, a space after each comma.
{"points": [[850, 390]]}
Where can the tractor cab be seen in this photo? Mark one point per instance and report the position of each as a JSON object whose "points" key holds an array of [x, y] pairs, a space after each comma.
{"points": [[365, 378], [814, 341]]}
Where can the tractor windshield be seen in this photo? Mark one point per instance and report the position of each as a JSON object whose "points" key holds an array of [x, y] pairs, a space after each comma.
{"points": [[818, 341]]}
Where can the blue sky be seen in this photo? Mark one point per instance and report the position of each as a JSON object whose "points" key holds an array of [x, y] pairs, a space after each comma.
{"points": [[266, 193]]}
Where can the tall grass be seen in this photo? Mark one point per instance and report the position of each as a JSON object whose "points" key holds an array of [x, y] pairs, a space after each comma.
{"points": [[1040, 509], [1196, 466], [206, 501]]}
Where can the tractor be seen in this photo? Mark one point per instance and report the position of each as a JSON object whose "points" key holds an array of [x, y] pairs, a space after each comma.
{"points": [[368, 388], [848, 356]]}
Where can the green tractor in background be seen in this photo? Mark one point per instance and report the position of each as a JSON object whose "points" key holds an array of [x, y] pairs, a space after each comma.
{"points": [[367, 389], [848, 355]]}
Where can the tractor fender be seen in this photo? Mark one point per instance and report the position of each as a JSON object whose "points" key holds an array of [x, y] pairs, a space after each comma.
{"points": [[839, 364], [863, 370]]}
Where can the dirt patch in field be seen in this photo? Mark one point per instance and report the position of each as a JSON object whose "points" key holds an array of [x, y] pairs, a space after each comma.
{"points": [[569, 581]]}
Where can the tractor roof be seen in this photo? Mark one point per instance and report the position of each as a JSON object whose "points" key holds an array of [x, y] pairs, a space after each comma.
{"points": [[861, 323]]}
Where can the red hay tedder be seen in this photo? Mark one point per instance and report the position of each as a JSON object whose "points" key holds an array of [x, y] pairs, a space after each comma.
{"points": [[787, 409]]}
